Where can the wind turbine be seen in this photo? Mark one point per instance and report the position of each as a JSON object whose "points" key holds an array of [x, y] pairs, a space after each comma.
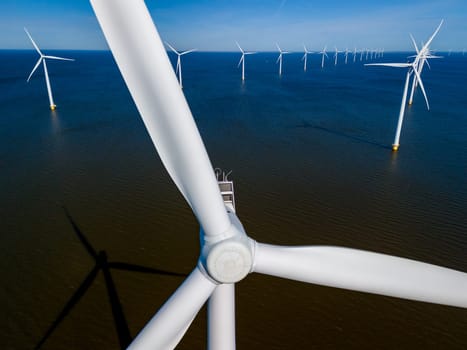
{"points": [[354, 54], [323, 53], [178, 69], [279, 59], [227, 253], [242, 60], [304, 58], [42, 59], [336, 53], [413, 68], [346, 53]]}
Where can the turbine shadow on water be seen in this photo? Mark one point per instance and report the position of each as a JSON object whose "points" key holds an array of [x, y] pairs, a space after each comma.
{"points": [[102, 264], [305, 124]]}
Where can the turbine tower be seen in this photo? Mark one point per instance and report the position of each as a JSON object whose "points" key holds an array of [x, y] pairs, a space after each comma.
{"points": [[346, 53], [42, 59], [242, 60], [227, 253], [178, 69], [323, 53], [336, 53], [279, 59], [304, 58]]}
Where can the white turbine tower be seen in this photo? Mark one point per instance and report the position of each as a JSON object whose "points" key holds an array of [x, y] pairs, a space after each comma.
{"points": [[178, 69], [323, 53], [279, 59], [304, 58], [346, 53], [336, 53], [42, 60], [227, 253], [413, 68], [242, 60], [354, 54]]}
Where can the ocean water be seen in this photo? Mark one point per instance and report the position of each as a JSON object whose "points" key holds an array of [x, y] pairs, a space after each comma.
{"points": [[312, 164]]}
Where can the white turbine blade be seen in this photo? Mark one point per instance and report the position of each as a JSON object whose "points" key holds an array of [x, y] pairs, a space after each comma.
{"points": [[171, 47], [397, 65], [187, 51], [221, 318], [148, 74], [59, 58], [427, 63], [419, 79], [279, 58], [239, 46], [250, 53], [278, 47], [241, 60], [168, 326], [35, 67], [414, 44], [304, 56], [432, 37], [33, 42], [365, 272], [178, 65]]}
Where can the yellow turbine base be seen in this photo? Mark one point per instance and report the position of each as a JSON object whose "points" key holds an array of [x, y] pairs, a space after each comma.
{"points": [[52, 107], [410, 103], [395, 148]]}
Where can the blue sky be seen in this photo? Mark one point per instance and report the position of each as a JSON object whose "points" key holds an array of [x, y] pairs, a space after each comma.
{"points": [[257, 24]]}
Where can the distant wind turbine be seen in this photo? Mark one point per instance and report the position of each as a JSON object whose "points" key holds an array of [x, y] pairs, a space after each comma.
{"points": [[354, 54], [279, 59], [346, 53], [304, 58], [242, 60], [412, 69], [336, 53], [323, 53], [42, 60], [178, 69]]}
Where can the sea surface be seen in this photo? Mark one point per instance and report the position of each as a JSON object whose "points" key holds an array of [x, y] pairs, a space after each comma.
{"points": [[310, 154]]}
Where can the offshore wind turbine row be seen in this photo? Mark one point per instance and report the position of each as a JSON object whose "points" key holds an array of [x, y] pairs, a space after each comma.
{"points": [[415, 68]]}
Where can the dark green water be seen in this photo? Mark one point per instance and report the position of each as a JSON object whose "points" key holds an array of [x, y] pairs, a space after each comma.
{"points": [[311, 161]]}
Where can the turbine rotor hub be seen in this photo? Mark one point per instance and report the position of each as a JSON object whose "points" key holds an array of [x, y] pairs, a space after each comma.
{"points": [[229, 261]]}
